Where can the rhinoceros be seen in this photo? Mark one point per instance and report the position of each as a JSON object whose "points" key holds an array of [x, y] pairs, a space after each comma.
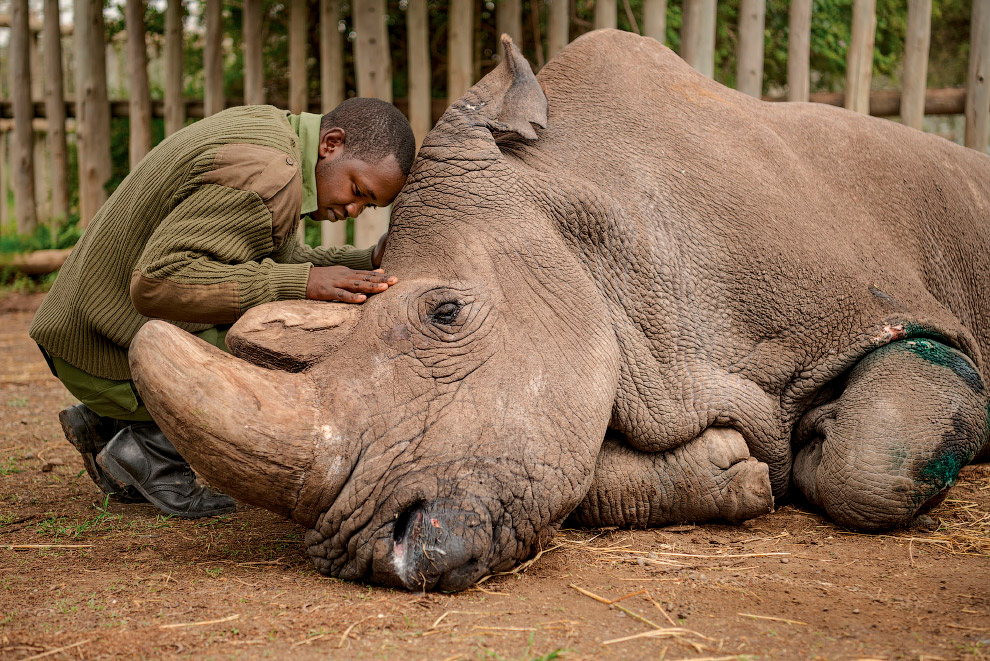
{"points": [[627, 295]]}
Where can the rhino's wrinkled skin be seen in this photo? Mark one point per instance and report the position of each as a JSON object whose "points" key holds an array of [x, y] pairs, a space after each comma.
{"points": [[744, 300]]}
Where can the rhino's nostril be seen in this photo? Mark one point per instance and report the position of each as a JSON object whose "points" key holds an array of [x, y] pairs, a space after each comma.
{"points": [[412, 518], [439, 543]]}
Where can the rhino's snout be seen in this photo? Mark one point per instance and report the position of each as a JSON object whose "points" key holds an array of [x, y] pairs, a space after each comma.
{"points": [[441, 545]]}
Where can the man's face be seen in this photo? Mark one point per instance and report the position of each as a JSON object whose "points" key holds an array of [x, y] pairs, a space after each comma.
{"points": [[345, 186]]}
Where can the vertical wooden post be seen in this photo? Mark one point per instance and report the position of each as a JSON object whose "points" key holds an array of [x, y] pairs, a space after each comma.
{"points": [[175, 106], [749, 61], [418, 41], [92, 108], [606, 14], [655, 19], [859, 59], [508, 20], [42, 173], [915, 77], [140, 101], [3, 179], [977, 86], [558, 25], [698, 35], [254, 77], [22, 159], [213, 99], [372, 61], [799, 51], [4, 167], [460, 51], [298, 101], [332, 92], [55, 112], [298, 41], [373, 65], [534, 16]]}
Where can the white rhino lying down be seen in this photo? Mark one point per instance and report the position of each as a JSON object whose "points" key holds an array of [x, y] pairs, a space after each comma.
{"points": [[746, 301]]}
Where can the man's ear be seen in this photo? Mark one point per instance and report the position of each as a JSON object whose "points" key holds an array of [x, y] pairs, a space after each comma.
{"points": [[331, 142]]}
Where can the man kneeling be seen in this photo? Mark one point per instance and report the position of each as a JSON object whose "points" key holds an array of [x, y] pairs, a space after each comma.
{"points": [[203, 229]]}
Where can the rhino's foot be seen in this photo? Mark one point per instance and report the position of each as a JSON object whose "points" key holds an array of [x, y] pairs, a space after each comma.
{"points": [[911, 415], [712, 477]]}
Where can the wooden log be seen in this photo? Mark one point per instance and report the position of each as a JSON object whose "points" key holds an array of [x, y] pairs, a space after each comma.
{"points": [[606, 14], [460, 48], [373, 65], [977, 85], [859, 57], [558, 26], [55, 112], [92, 108], [140, 97], [698, 35], [175, 107], [799, 50], [508, 20], [298, 41], [655, 19], [418, 43], [254, 76], [213, 99], [749, 58], [22, 149], [916, 44], [38, 262]]}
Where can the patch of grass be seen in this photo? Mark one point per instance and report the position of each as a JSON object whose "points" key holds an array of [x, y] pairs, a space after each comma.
{"points": [[551, 655], [18, 402], [60, 527], [8, 467], [8, 617]]}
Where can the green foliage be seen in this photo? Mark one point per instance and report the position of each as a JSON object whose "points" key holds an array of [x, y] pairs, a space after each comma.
{"points": [[65, 236]]}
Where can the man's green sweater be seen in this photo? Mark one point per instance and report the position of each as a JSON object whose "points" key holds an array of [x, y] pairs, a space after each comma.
{"points": [[199, 232]]}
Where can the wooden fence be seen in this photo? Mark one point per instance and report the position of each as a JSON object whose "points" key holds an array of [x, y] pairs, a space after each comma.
{"points": [[42, 115]]}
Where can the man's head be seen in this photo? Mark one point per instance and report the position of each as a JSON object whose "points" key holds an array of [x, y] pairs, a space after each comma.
{"points": [[366, 151]]}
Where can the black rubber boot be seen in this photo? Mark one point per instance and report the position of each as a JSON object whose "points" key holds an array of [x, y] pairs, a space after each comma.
{"points": [[141, 456], [89, 433]]}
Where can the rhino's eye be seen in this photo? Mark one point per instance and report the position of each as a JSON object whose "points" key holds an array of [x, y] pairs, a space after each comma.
{"points": [[445, 313]]}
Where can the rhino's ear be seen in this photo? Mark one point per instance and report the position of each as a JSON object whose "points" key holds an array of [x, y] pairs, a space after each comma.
{"points": [[522, 101], [508, 101]]}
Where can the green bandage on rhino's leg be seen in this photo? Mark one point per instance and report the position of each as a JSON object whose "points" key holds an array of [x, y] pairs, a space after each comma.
{"points": [[911, 415], [712, 477]]}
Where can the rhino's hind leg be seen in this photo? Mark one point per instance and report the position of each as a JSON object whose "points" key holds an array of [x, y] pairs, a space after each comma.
{"points": [[911, 415], [712, 477]]}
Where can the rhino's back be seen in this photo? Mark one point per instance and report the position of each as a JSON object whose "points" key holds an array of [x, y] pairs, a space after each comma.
{"points": [[810, 225]]}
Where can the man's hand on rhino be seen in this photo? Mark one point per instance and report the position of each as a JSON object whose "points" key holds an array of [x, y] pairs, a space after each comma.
{"points": [[339, 283]]}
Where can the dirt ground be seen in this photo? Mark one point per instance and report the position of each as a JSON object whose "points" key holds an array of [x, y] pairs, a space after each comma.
{"points": [[81, 578]]}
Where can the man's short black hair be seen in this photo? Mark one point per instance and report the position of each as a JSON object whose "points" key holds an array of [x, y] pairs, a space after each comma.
{"points": [[373, 129]]}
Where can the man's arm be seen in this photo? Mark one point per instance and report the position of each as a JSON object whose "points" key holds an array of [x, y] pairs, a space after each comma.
{"points": [[354, 258], [206, 262]]}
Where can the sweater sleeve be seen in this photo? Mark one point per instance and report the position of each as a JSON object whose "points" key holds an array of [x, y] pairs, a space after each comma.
{"points": [[349, 256], [207, 260]]}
